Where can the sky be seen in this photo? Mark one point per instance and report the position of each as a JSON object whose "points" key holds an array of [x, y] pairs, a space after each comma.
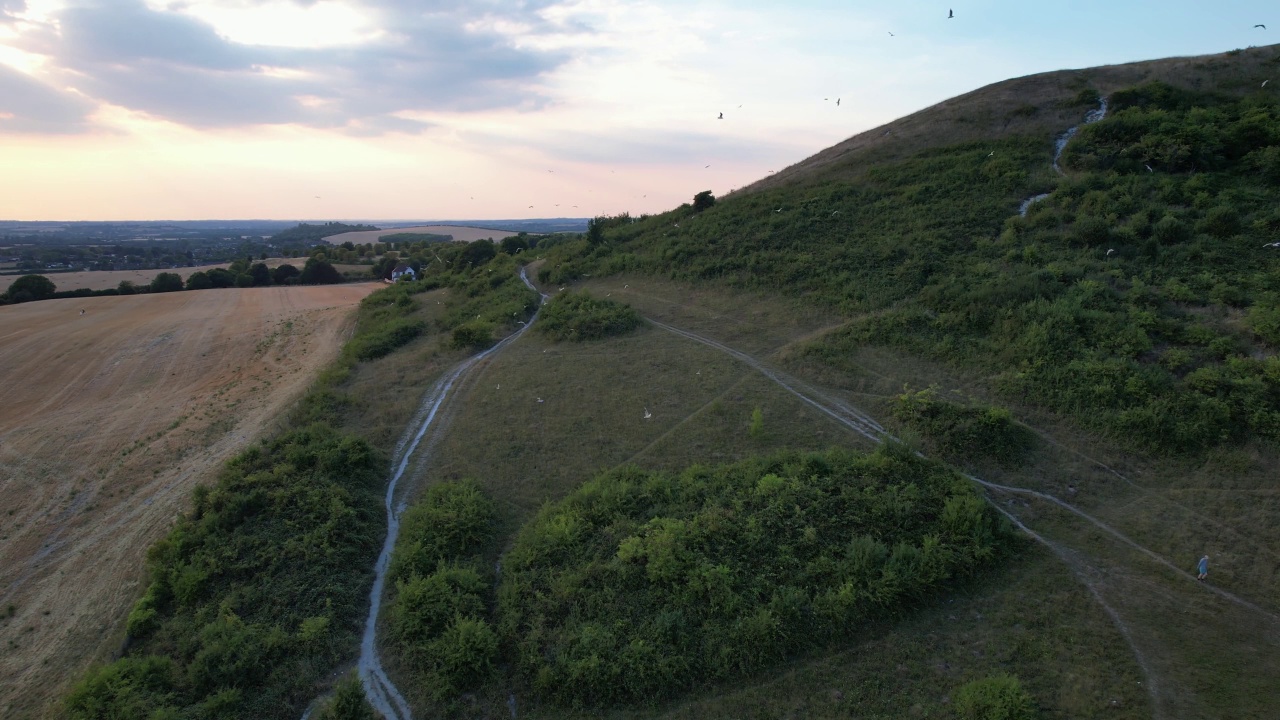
{"points": [[484, 109]]}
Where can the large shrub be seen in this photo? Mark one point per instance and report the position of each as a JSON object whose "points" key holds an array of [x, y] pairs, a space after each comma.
{"points": [[962, 431], [577, 316], [440, 600], [639, 585], [31, 287], [999, 697]]}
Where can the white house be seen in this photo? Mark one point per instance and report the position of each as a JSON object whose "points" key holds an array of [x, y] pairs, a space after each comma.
{"points": [[402, 271]]}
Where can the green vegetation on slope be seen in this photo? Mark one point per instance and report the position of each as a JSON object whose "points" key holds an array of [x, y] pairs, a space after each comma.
{"points": [[252, 593], [440, 600], [964, 433], [259, 592], [1142, 303], [640, 585], [576, 316]]}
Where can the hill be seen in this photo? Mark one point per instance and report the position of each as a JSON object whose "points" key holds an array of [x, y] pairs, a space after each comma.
{"points": [[459, 233], [867, 372]]}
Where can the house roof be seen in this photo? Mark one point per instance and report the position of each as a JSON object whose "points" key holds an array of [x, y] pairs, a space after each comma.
{"points": [[402, 268]]}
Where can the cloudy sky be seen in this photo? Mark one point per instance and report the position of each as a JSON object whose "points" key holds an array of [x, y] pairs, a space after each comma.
{"points": [[404, 109]]}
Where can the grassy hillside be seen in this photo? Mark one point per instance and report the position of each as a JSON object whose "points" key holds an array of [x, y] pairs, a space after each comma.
{"points": [[637, 513], [1138, 296]]}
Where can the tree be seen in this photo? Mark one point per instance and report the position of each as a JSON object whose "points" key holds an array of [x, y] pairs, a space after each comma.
{"points": [[199, 280], [166, 282], [319, 272], [31, 287], [595, 230], [703, 200], [221, 278], [478, 253], [514, 244], [126, 287], [261, 274], [282, 273]]}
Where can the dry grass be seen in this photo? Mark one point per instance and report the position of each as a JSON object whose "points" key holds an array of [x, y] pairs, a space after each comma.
{"points": [[110, 419]]}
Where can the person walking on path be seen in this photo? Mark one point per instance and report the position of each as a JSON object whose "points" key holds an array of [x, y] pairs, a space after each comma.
{"points": [[1204, 568]]}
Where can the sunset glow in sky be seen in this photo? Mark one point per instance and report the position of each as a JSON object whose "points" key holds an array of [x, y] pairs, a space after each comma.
{"points": [[402, 109]]}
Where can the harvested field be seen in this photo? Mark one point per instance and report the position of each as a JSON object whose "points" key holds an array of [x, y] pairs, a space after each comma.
{"points": [[106, 279], [460, 233], [110, 418]]}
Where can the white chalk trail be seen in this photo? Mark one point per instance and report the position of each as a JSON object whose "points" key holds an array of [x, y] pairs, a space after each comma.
{"points": [[1059, 145], [378, 687]]}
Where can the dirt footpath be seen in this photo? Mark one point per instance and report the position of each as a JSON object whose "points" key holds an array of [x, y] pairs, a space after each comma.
{"points": [[108, 419]]}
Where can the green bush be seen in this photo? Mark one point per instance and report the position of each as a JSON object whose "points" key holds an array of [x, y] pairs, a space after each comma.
{"points": [[465, 653], [573, 316], [31, 287], [451, 522], [440, 596], [476, 335], [132, 687], [999, 697], [963, 432], [386, 337], [424, 606], [348, 702], [639, 585], [256, 591]]}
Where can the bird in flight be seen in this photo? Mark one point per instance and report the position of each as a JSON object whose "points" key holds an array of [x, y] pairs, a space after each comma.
{"points": [[1260, 25], [1148, 167], [647, 414], [721, 116], [706, 166], [950, 13], [891, 34], [991, 154], [1264, 83], [1272, 245], [837, 102]]}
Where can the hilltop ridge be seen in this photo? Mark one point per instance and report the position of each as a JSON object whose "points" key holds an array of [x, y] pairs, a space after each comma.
{"points": [[1040, 104]]}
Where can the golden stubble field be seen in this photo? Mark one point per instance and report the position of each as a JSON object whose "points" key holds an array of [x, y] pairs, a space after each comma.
{"points": [[108, 419]]}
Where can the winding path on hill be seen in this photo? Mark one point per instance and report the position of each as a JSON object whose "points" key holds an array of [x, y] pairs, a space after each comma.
{"points": [[865, 425], [428, 423], [1060, 144]]}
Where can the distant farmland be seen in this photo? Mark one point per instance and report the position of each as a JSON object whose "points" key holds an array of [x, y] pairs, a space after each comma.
{"points": [[110, 418], [460, 233]]}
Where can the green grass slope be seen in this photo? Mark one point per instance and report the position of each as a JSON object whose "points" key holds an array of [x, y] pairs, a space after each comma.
{"points": [[1141, 301]]}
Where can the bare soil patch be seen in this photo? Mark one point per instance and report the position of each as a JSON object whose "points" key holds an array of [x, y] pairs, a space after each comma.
{"points": [[110, 418]]}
